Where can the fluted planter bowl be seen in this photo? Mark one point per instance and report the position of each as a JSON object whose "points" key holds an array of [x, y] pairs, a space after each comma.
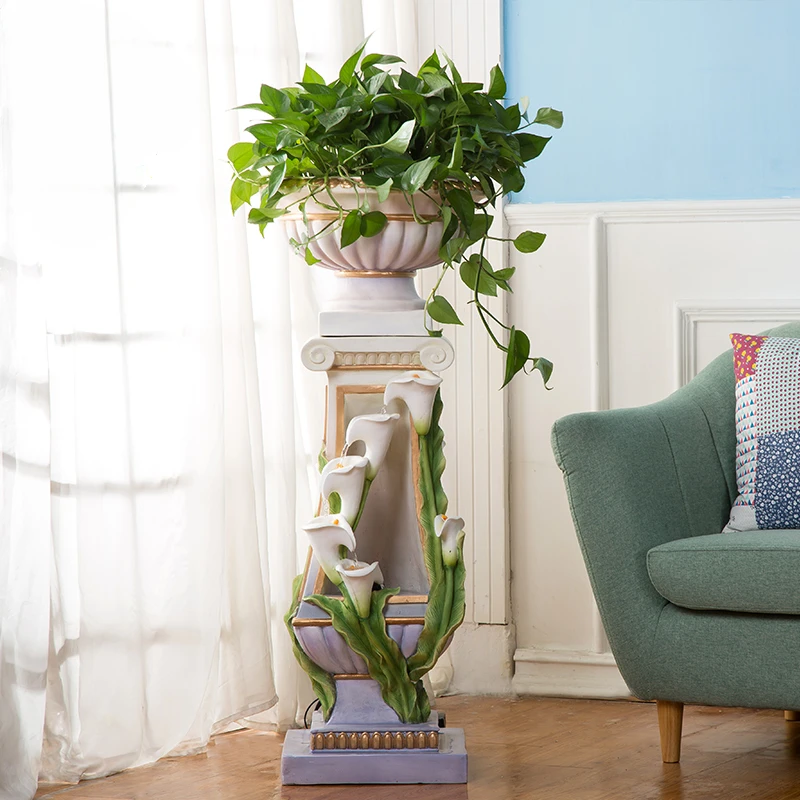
{"points": [[404, 245]]}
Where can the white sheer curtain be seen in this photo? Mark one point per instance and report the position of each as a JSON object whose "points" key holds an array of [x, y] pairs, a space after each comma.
{"points": [[155, 424]]}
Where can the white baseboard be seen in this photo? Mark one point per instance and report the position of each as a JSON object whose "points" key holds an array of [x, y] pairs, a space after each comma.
{"points": [[567, 673], [482, 658]]}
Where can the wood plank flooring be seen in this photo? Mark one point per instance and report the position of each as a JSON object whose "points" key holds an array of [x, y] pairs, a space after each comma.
{"points": [[521, 749]]}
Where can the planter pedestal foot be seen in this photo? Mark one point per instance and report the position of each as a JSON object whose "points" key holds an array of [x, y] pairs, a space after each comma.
{"points": [[300, 765]]}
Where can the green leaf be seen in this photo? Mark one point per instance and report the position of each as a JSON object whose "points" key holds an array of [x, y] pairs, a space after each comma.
{"points": [[551, 117], [241, 192], [398, 142], [351, 228], [415, 176], [310, 75], [322, 459], [478, 137], [519, 348], [241, 155], [349, 66], [510, 118], [376, 58], [439, 309], [263, 216], [453, 71], [513, 180], [276, 178], [383, 190], [409, 81], [334, 502], [505, 274], [276, 101], [476, 272], [530, 145], [330, 118], [436, 83], [463, 206], [458, 154], [497, 84], [375, 83], [265, 132], [372, 223], [529, 242], [311, 259], [545, 367]]}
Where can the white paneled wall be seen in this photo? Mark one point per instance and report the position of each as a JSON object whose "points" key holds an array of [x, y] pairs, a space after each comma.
{"points": [[630, 301], [470, 32]]}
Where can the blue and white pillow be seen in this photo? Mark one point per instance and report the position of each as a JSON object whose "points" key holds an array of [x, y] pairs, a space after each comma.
{"points": [[767, 372]]}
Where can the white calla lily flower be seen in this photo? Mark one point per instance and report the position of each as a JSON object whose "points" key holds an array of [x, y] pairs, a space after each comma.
{"points": [[326, 534], [451, 531], [418, 391], [345, 476], [375, 430], [359, 577]]}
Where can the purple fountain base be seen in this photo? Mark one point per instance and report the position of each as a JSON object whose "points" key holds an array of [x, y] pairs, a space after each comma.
{"points": [[302, 766]]}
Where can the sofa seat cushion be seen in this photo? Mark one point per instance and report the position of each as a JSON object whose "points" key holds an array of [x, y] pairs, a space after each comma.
{"points": [[750, 571]]}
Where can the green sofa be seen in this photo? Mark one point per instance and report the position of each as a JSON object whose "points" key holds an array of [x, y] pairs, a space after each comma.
{"points": [[692, 615]]}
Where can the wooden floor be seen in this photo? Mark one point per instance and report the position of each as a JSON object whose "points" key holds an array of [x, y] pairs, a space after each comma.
{"points": [[526, 748]]}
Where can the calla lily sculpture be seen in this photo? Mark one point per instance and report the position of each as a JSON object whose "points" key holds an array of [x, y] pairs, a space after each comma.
{"points": [[326, 534], [359, 578], [450, 530], [345, 476], [418, 391], [375, 430]]}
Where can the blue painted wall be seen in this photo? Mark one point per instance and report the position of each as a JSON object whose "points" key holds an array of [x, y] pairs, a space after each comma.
{"points": [[662, 99]]}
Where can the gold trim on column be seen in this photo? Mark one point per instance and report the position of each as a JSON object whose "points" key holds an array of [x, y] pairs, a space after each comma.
{"points": [[344, 367], [341, 391], [329, 215]]}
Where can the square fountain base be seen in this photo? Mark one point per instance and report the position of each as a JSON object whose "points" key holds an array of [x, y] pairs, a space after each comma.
{"points": [[302, 766]]}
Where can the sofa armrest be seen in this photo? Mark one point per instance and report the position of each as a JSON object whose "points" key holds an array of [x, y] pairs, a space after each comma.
{"points": [[637, 478]]}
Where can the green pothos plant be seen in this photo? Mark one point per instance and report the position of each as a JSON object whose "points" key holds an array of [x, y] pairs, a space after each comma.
{"points": [[400, 678], [431, 132]]}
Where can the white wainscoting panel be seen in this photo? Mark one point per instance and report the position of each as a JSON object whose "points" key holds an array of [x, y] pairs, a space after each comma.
{"points": [[469, 31], [630, 300]]}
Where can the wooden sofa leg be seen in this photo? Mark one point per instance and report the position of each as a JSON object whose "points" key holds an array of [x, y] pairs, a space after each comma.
{"points": [[670, 723], [791, 716]]}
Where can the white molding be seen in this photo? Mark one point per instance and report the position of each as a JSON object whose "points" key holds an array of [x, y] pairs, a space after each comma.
{"points": [[689, 314], [568, 673], [475, 422], [681, 211]]}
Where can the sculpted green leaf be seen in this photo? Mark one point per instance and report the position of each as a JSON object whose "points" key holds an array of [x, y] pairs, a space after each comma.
{"points": [[322, 682]]}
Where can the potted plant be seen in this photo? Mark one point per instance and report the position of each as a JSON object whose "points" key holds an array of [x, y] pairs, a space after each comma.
{"points": [[389, 173]]}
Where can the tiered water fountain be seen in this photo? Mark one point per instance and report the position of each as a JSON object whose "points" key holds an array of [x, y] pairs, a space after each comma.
{"points": [[383, 588]]}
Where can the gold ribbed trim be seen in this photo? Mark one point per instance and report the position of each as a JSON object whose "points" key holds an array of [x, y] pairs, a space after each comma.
{"points": [[376, 740], [329, 215], [321, 623], [351, 676]]}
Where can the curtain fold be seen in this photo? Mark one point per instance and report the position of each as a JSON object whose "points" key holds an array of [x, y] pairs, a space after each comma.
{"points": [[157, 429]]}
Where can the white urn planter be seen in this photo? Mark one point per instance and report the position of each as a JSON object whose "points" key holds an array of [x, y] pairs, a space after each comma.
{"points": [[374, 276]]}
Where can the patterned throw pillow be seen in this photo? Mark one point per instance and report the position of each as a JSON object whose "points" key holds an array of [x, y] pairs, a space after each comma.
{"points": [[767, 372]]}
